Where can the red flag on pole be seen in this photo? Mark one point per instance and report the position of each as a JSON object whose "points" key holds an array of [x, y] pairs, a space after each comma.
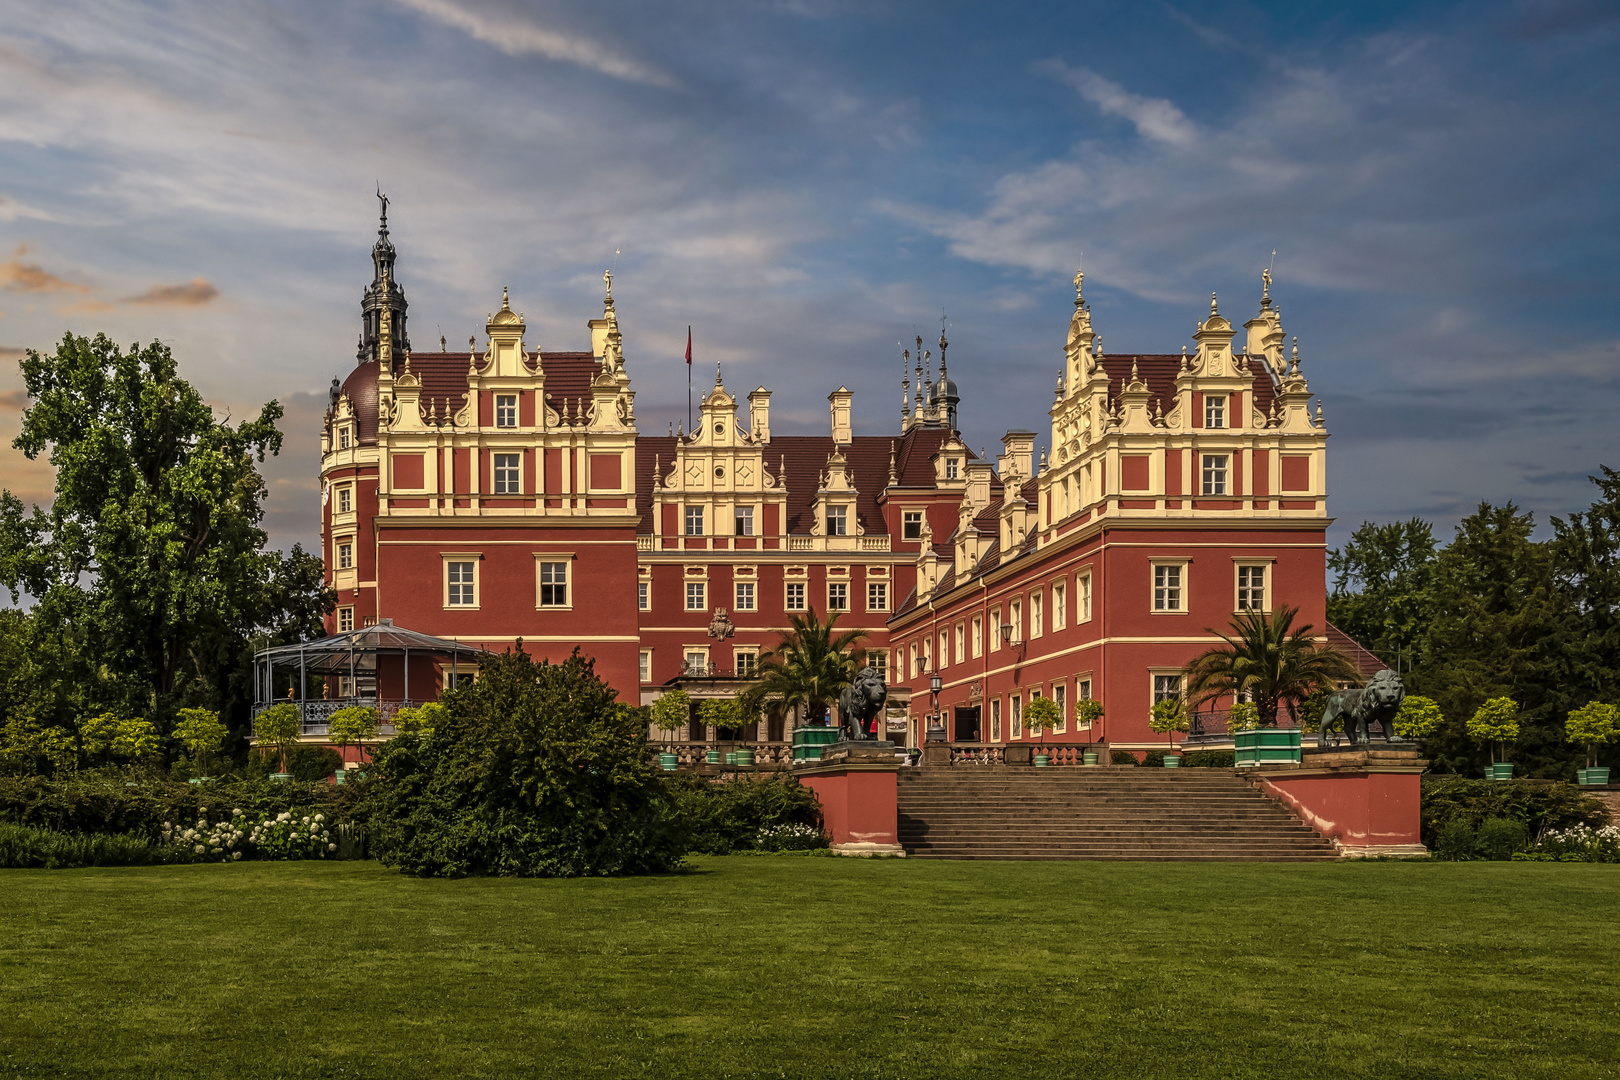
{"points": [[688, 346]]}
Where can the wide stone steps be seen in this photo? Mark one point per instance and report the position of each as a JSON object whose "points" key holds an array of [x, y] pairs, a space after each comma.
{"points": [[968, 812]]}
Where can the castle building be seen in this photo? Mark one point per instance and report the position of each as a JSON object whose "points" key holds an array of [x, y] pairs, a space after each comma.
{"points": [[506, 494]]}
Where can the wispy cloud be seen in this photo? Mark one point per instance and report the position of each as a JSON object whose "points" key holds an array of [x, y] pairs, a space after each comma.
{"points": [[193, 293], [18, 276], [1155, 118], [517, 35]]}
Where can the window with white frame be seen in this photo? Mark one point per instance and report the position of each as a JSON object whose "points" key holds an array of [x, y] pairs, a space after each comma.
{"points": [[1017, 716], [793, 599], [553, 584], [1168, 592], [1084, 614], [508, 479], [461, 583], [1215, 474], [837, 521], [995, 629], [877, 596], [1037, 604], [944, 653], [911, 525], [646, 665], [345, 555], [345, 500], [878, 661], [697, 662], [837, 596], [995, 720], [961, 643], [1251, 588], [644, 595], [694, 521], [697, 596], [1060, 698], [744, 517], [1060, 605], [1166, 688], [747, 661], [345, 619], [1214, 410], [950, 468], [977, 646], [1082, 692], [1016, 618], [745, 596], [506, 410], [344, 438]]}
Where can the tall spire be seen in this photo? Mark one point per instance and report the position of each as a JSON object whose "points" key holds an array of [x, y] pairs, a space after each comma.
{"points": [[917, 358], [383, 292], [905, 387]]}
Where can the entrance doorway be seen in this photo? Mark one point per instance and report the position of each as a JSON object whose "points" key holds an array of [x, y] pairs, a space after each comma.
{"points": [[966, 724]]}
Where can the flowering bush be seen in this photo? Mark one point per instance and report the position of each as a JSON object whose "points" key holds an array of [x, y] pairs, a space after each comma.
{"points": [[1579, 843], [795, 837], [281, 836]]}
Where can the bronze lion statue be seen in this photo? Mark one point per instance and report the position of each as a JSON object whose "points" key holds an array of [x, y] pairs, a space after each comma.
{"points": [[860, 701], [1378, 701]]}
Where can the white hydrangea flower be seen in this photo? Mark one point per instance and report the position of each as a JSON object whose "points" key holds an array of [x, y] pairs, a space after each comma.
{"points": [[200, 848], [331, 847]]}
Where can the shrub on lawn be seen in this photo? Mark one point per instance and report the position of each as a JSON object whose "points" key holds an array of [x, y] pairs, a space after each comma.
{"points": [[1209, 759], [1537, 806], [1153, 759], [1579, 843], [535, 771], [1455, 842], [1499, 839], [30, 847], [719, 817]]}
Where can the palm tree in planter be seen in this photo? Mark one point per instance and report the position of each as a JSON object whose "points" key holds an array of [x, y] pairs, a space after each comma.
{"points": [[1270, 661], [1594, 724], [670, 712], [1042, 714], [1497, 723], [1168, 716], [807, 668], [352, 727], [278, 728]]}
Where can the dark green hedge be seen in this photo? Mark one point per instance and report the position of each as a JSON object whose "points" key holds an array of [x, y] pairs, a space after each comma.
{"points": [[1537, 805], [725, 816]]}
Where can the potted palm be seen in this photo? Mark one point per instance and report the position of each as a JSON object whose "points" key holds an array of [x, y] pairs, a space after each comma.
{"points": [[202, 734], [278, 728], [1496, 723], [1594, 724], [352, 727], [806, 669], [1087, 711], [1167, 717], [671, 711], [1042, 715]]}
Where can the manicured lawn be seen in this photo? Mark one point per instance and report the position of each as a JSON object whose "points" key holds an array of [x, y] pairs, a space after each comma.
{"points": [[815, 967]]}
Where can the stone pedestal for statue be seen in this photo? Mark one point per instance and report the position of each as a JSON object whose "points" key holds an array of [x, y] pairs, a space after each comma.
{"points": [[1367, 801], [856, 783]]}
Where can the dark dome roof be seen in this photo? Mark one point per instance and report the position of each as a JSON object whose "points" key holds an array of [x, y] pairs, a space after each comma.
{"points": [[944, 390], [361, 386]]}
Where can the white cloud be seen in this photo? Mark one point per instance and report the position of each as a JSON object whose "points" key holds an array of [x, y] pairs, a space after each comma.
{"points": [[1155, 118]]}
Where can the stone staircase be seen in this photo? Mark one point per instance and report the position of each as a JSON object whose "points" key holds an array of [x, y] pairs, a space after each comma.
{"points": [[998, 812]]}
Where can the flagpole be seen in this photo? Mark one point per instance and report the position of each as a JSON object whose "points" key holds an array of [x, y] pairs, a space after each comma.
{"points": [[688, 380]]}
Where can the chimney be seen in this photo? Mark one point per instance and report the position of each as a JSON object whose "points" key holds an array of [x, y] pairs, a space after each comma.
{"points": [[759, 414], [1017, 454], [977, 496], [839, 400]]}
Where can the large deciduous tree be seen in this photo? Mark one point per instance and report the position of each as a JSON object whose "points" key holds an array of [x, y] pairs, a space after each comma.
{"points": [[151, 557]]}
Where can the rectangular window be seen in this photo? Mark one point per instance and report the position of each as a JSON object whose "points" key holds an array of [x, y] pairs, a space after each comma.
{"points": [[837, 596], [1082, 692], [961, 644], [1085, 598], [343, 438], [1060, 697], [508, 480], [646, 665], [837, 521], [345, 621], [1017, 717], [697, 663], [1166, 688], [459, 578], [1060, 606], [694, 521], [696, 598], [944, 650], [1037, 603], [346, 555], [747, 663], [1251, 587], [345, 500], [877, 596], [1016, 619], [911, 525], [1167, 587], [795, 596], [878, 661], [745, 521], [745, 596], [978, 636], [644, 595], [995, 629], [506, 410], [950, 468], [553, 584], [995, 720], [1215, 474], [1214, 411]]}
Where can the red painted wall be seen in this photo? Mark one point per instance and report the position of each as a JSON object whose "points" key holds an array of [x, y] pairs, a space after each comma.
{"points": [[1358, 809], [859, 806]]}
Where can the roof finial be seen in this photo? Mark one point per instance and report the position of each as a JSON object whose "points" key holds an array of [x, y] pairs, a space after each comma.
{"points": [[607, 280], [717, 373], [384, 200], [1134, 376], [1265, 286], [1212, 311], [505, 306], [894, 477], [905, 385], [1080, 288], [1293, 362]]}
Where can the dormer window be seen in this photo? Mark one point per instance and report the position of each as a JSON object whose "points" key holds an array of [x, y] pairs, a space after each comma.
{"points": [[694, 521], [911, 525], [1215, 411], [343, 437], [506, 410], [838, 521], [950, 468], [1215, 474]]}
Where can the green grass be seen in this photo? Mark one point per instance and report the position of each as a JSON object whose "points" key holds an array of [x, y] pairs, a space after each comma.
{"points": [[802, 967]]}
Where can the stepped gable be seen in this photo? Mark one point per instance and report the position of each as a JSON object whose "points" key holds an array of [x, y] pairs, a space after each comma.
{"points": [[1159, 371]]}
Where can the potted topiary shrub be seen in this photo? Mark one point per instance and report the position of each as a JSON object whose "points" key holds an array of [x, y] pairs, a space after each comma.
{"points": [[278, 728], [1594, 724], [670, 712], [419, 720], [352, 727], [202, 734], [725, 713], [1496, 723], [1042, 715], [1087, 711], [1418, 717], [1168, 717]]}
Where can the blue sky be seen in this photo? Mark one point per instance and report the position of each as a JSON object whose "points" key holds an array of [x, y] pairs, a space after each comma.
{"points": [[807, 182]]}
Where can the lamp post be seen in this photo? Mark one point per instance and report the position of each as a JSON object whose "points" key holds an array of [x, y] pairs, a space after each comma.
{"points": [[936, 730]]}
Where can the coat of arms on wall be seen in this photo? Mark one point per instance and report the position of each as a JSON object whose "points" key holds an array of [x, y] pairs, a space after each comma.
{"points": [[720, 626]]}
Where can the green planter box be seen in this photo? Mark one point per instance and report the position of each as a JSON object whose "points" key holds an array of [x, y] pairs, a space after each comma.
{"points": [[745, 758], [668, 762], [712, 757], [1593, 776], [1043, 760], [1172, 761], [1265, 745], [808, 742], [1502, 770]]}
